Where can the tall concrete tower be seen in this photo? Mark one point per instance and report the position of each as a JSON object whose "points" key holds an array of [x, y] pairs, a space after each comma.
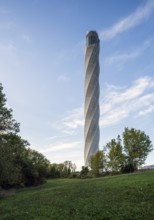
{"points": [[91, 106]]}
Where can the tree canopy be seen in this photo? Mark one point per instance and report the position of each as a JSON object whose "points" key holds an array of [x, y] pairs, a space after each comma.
{"points": [[115, 154], [97, 163], [137, 146]]}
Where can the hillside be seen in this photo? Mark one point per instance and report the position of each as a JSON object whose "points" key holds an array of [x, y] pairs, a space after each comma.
{"points": [[126, 197]]}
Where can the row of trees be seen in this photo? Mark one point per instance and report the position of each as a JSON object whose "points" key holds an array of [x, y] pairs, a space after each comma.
{"points": [[22, 166], [122, 155], [66, 169]]}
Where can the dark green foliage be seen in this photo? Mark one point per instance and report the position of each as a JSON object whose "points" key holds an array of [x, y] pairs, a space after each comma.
{"points": [[54, 171], [34, 168], [84, 171], [127, 168], [65, 169], [11, 153], [20, 166]]}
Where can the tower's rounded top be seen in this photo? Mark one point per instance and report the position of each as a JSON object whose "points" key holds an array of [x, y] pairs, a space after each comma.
{"points": [[92, 38], [89, 33]]}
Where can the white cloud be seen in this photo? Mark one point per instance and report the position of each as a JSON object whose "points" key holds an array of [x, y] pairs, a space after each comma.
{"points": [[71, 121], [124, 103], [146, 111], [137, 89], [124, 57], [60, 146], [51, 138], [118, 103], [74, 154], [128, 22]]}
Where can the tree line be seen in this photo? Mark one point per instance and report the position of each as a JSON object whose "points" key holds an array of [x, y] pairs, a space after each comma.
{"points": [[21, 166]]}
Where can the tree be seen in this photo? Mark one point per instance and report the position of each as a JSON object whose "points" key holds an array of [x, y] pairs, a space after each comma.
{"points": [[115, 154], [54, 171], [62, 169], [68, 168], [97, 162], [7, 123], [84, 171], [34, 167], [137, 146], [12, 147]]}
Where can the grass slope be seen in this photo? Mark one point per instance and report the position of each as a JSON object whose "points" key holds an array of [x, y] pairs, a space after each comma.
{"points": [[126, 197]]}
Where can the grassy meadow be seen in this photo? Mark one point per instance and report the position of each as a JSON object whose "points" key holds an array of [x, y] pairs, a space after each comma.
{"points": [[126, 197]]}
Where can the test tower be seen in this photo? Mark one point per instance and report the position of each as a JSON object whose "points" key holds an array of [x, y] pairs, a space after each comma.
{"points": [[91, 106]]}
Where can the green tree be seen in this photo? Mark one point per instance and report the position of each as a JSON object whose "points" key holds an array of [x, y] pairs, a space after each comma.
{"points": [[115, 154], [68, 168], [97, 163], [7, 123], [12, 147], [84, 171], [137, 146], [34, 167], [62, 169], [54, 171]]}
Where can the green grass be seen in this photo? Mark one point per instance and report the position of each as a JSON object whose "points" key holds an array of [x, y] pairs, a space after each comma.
{"points": [[126, 197]]}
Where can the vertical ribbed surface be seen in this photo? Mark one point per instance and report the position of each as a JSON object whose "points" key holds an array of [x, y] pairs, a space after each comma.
{"points": [[91, 108]]}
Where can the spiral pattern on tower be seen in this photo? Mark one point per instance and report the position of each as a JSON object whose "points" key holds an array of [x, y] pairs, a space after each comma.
{"points": [[91, 107]]}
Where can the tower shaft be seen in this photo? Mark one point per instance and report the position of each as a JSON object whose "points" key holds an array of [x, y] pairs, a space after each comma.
{"points": [[91, 107]]}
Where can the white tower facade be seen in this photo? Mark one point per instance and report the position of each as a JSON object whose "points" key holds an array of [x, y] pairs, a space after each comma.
{"points": [[91, 106]]}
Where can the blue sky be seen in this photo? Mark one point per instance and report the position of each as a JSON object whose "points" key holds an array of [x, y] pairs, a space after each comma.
{"points": [[42, 46]]}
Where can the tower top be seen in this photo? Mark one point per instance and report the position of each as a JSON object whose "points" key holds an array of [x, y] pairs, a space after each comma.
{"points": [[92, 38]]}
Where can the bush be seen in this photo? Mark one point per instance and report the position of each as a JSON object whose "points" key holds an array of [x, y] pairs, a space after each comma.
{"points": [[128, 168]]}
